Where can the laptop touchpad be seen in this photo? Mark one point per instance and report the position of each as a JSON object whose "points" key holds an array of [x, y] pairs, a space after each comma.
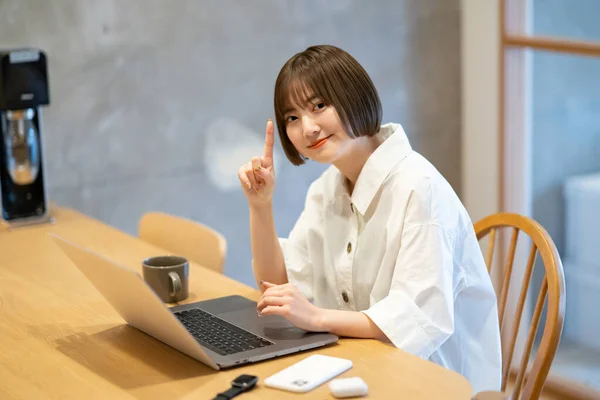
{"points": [[272, 327]]}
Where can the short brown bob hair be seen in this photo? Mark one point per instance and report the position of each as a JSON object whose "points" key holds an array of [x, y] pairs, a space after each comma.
{"points": [[338, 80]]}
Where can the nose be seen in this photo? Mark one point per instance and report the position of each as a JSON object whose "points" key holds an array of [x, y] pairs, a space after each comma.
{"points": [[310, 128]]}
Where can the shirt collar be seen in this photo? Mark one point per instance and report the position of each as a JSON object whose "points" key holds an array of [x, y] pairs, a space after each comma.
{"points": [[379, 165]]}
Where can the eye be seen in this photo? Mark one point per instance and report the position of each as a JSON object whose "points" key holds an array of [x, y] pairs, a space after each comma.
{"points": [[290, 118], [320, 106]]}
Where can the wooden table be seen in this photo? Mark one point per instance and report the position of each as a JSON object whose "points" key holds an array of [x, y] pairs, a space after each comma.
{"points": [[60, 339]]}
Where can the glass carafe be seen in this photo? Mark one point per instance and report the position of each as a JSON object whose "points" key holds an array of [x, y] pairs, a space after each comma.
{"points": [[22, 147]]}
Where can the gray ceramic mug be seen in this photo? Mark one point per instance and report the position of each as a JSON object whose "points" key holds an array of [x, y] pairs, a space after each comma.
{"points": [[168, 276]]}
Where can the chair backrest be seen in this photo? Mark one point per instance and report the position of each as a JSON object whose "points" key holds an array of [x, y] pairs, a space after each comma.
{"points": [[184, 237], [528, 385]]}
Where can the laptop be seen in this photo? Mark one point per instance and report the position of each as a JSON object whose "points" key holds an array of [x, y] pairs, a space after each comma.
{"points": [[221, 333]]}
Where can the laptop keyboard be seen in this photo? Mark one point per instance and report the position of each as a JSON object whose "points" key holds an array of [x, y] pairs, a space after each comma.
{"points": [[217, 334]]}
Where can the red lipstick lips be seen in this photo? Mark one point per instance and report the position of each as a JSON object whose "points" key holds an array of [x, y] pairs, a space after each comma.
{"points": [[319, 142]]}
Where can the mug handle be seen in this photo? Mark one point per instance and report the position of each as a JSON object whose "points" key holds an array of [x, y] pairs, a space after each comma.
{"points": [[175, 284]]}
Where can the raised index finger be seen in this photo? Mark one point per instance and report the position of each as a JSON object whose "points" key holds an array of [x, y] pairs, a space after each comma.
{"points": [[269, 140]]}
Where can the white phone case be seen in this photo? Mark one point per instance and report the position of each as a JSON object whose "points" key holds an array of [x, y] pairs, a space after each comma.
{"points": [[309, 373]]}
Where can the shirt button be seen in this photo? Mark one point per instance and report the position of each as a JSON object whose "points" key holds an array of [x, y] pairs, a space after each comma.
{"points": [[345, 297], [349, 247]]}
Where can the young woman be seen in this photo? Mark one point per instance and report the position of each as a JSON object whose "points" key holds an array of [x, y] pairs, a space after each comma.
{"points": [[384, 248]]}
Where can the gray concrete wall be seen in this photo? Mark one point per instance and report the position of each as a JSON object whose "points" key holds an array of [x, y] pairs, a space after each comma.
{"points": [[155, 104]]}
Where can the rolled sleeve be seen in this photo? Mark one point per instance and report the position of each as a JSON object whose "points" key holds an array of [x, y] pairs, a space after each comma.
{"points": [[296, 248], [418, 313], [297, 266]]}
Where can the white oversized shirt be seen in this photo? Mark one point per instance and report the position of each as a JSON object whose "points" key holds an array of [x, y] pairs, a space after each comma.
{"points": [[401, 249]]}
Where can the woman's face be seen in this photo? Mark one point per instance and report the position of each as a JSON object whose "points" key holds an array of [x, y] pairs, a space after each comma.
{"points": [[316, 131]]}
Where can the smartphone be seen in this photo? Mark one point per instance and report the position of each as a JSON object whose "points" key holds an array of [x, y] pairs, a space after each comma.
{"points": [[309, 373]]}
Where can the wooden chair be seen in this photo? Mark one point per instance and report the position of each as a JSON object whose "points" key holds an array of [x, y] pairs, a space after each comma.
{"points": [[180, 236], [528, 385]]}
